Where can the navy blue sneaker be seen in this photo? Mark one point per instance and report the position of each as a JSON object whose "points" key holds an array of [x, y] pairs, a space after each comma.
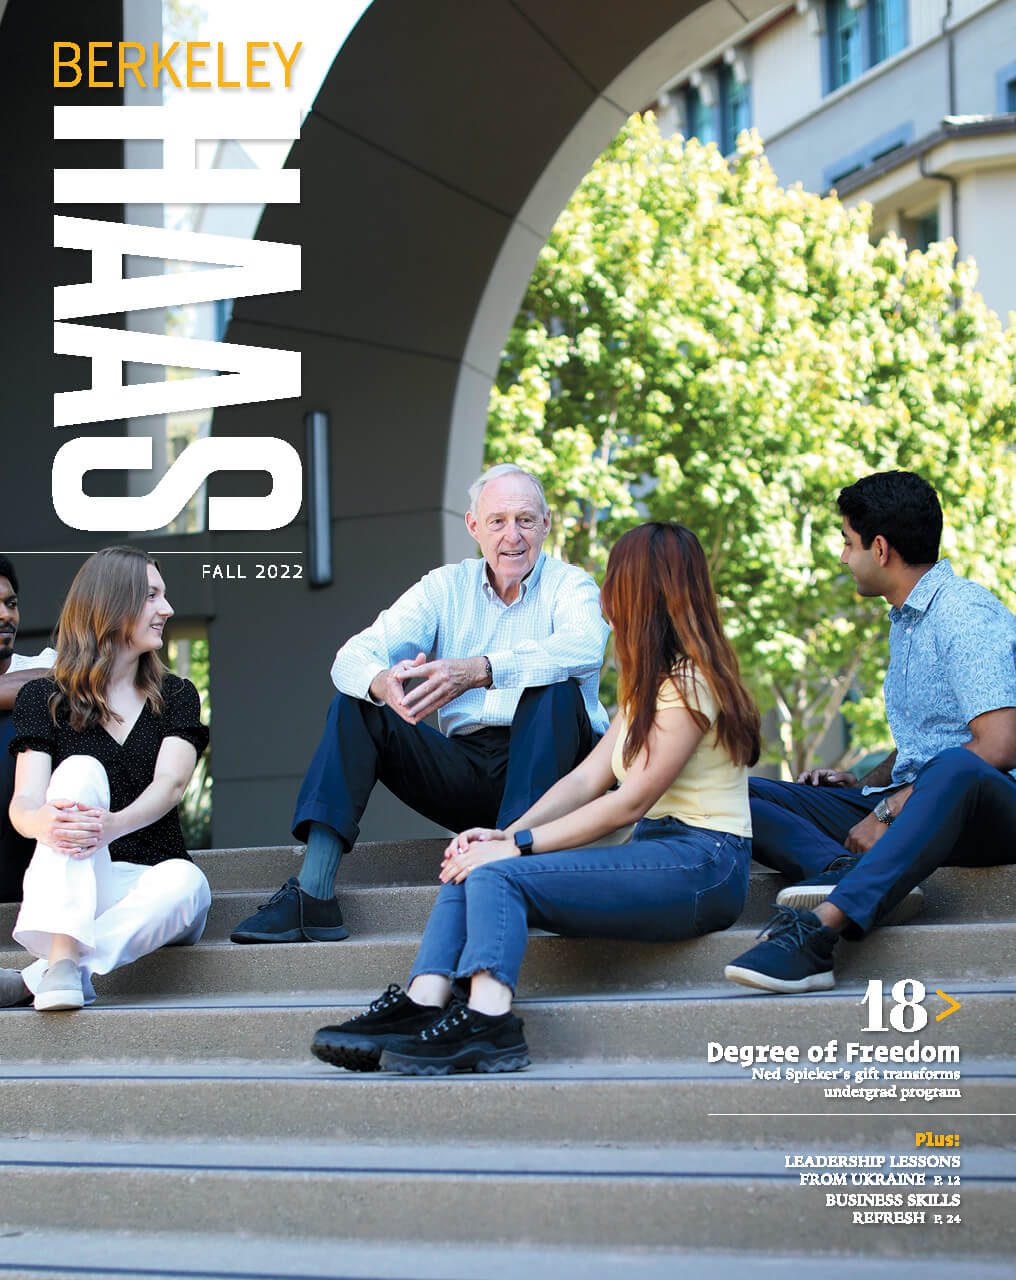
{"points": [[462, 1040], [797, 955], [806, 895], [292, 915], [388, 1022]]}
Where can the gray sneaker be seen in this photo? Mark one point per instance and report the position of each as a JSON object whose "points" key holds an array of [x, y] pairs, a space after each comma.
{"points": [[60, 987], [12, 989]]}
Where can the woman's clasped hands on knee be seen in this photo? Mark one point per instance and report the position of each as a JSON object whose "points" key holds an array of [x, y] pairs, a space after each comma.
{"points": [[471, 849], [66, 826]]}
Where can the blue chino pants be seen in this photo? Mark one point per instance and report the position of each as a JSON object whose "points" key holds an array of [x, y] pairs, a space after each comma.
{"points": [[961, 812], [488, 778], [670, 882]]}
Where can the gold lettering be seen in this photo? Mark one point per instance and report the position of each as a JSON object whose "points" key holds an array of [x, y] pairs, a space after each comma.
{"points": [[223, 82], [253, 62], [194, 63], [164, 63], [94, 62], [287, 62], [127, 65], [58, 62]]}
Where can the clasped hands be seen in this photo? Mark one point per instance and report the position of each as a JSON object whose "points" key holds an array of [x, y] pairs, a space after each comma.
{"points": [[74, 829], [471, 849], [441, 681]]}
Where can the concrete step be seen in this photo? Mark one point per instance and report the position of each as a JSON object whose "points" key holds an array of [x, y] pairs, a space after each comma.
{"points": [[638, 1026], [937, 954], [96, 1255], [372, 909], [372, 905], [720, 1197], [373, 862], [974, 893], [575, 1103]]}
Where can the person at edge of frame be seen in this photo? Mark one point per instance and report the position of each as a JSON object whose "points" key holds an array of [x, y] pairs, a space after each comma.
{"points": [[105, 746], [679, 751], [517, 641], [946, 795], [15, 670]]}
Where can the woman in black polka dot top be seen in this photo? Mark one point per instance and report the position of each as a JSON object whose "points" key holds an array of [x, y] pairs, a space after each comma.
{"points": [[105, 747]]}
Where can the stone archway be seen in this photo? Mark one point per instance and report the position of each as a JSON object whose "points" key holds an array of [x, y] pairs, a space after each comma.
{"points": [[444, 142]]}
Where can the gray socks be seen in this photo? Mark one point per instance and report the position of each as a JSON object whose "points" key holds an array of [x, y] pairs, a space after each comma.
{"points": [[320, 862]]}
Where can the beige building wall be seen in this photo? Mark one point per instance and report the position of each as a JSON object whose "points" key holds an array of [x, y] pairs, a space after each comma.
{"points": [[988, 218]]}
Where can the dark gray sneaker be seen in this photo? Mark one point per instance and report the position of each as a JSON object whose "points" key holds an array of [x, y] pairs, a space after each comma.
{"points": [[292, 915], [807, 894], [13, 991], [358, 1043], [462, 1040]]}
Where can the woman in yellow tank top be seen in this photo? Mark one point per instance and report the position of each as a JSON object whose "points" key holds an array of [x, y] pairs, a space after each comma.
{"points": [[678, 751]]}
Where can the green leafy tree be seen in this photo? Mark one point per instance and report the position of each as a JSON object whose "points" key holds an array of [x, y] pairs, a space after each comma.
{"points": [[698, 343]]}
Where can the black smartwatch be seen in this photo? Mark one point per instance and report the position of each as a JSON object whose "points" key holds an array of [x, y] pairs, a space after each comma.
{"points": [[524, 842]]}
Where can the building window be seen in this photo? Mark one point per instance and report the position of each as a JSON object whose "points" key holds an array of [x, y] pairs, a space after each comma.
{"points": [[717, 103], [845, 62], [735, 108], [1010, 96], [926, 230], [702, 116], [861, 35], [888, 28]]}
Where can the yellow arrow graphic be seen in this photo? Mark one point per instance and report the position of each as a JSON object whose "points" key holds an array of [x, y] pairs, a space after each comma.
{"points": [[953, 1005]]}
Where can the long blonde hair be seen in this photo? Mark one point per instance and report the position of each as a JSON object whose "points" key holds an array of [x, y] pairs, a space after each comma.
{"points": [[103, 603]]}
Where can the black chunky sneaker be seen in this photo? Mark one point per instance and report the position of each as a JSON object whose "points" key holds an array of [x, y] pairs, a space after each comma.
{"points": [[389, 1020], [797, 955], [462, 1040], [806, 895], [292, 915]]}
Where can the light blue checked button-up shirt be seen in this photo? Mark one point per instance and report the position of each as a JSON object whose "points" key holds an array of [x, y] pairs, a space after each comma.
{"points": [[952, 657], [553, 630]]}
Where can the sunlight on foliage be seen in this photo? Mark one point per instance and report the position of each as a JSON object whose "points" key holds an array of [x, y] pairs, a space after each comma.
{"points": [[698, 343]]}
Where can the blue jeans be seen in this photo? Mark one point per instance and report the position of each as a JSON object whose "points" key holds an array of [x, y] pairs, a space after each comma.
{"points": [[670, 882], [961, 812]]}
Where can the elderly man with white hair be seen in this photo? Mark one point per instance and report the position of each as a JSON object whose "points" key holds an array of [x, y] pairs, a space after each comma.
{"points": [[505, 648]]}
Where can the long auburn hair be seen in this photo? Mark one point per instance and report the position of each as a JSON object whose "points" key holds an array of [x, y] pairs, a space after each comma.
{"points": [[658, 597], [103, 603]]}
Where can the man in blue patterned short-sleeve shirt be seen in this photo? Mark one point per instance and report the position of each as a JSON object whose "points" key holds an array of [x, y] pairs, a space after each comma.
{"points": [[506, 648], [945, 796]]}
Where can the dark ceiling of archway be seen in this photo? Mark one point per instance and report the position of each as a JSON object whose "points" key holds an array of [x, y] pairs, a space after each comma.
{"points": [[429, 132]]}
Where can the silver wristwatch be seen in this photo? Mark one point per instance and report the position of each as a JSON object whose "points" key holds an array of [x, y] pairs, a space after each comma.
{"points": [[884, 813]]}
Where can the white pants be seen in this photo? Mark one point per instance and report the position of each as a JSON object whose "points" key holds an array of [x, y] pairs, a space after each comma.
{"points": [[115, 911]]}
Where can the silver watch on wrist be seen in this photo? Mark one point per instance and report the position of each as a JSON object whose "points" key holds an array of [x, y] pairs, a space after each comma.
{"points": [[884, 813]]}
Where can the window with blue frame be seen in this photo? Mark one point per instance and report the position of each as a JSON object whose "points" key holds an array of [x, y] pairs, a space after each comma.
{"points": [[1010, 96], [845, 63], [861, 37], [722, 121], [735, 109], [703, 122]]}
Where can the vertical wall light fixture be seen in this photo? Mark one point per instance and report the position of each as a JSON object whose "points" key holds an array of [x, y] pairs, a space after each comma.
{"points": [[319, 498]]}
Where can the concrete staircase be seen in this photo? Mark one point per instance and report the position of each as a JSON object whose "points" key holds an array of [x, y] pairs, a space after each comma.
{"points": [[180, 1127]]}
